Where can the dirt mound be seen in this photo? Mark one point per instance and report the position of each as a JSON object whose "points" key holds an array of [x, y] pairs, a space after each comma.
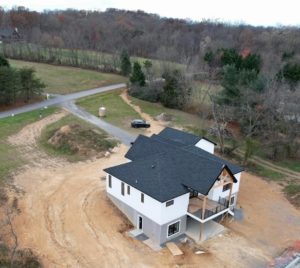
{"points": [[31, 132], [76, 139], [164, 117]]}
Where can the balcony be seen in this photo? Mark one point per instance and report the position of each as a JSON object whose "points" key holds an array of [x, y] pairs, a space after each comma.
{"points": [[203, 209]]}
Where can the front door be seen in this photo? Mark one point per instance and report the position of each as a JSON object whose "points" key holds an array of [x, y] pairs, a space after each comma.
{"points": [[140, 223]]}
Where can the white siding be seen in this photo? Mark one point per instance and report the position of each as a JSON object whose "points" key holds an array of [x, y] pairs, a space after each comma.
{"points": [[151, 208], [178, 209], [206, 146], [217, 192]]}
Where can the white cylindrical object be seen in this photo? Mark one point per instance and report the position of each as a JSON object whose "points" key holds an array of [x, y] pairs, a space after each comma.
{"points": [[102, 111]]}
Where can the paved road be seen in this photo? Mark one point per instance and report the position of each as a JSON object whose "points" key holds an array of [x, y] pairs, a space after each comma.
{"points": [[118, 133], [60, 99]]}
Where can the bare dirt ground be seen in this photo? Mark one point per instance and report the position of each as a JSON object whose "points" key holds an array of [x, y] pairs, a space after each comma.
{"points": [[68, 222], [26, 142]]}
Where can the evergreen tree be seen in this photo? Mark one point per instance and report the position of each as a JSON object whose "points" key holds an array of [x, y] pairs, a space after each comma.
{"points": [[9, 85], [125, 63], [252, 62], [3, 61], [30, 85], [231, 57], [176, 90], [137, 76], [291, 72]]}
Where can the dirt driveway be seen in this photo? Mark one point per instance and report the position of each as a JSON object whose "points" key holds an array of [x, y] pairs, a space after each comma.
{"points": [[67, 220]]}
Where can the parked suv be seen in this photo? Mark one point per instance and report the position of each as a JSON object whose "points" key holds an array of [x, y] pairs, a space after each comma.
{"points": [[137, 123]]}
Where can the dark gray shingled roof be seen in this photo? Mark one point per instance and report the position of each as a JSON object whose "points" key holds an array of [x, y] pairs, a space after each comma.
{"points": [[164, 168], [179, 136]]}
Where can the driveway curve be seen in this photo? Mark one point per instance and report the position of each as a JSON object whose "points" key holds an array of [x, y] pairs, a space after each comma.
{"points": [[60, 99]]}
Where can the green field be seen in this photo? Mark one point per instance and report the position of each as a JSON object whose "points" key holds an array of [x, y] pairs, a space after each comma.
{"points": [[180, 118], [63, 80], [10, 159], [84, 58], [118, 112], [86, 134]]}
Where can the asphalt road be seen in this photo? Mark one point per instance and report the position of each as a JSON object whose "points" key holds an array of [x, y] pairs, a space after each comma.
{"points": [[116, 132], [60, 99]]}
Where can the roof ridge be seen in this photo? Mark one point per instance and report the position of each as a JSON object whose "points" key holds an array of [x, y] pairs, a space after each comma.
{"points": [[183, 148]]}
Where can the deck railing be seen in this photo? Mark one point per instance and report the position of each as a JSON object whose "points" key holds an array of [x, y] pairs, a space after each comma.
{"points": [[221, 205]]}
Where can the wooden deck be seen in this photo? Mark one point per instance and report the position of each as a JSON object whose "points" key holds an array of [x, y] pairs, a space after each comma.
{"points": [[211, 207]]}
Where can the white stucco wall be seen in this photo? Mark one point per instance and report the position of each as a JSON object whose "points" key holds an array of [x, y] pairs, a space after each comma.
{"points": [[151, 208], [206, 145]]}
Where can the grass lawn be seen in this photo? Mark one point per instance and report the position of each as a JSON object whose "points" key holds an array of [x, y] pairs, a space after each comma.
{"points": [[63, 80], [181, 118], [292, 190], [201, 91], [290, 164], [83, 135], [118, 112], [10, 159], [267, 173]]}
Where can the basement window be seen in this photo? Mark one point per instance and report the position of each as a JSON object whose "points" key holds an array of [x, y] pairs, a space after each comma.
{"points": [[122, 188], [128, 189], [109, 181], [226, 187], [142, 198], [169, 203], [173, 228]]}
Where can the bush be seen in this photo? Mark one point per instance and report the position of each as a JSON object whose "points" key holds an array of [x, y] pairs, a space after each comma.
{"points": [[151, 92]]}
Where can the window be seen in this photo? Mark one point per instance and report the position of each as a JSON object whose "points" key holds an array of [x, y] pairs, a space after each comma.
{"points": [[173, 228], [142, 197], [122, 188], [128, 189], [109, 181], [226, 187], [169, 203], [232, 200]]}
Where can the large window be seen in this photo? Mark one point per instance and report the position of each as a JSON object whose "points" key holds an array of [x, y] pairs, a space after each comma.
{"points": [[122, 188], [109, 181], [226, 187], [173, 228]]}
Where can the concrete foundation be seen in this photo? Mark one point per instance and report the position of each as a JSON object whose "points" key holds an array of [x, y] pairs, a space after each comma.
{"points": [[156, 232], [200, 232]]}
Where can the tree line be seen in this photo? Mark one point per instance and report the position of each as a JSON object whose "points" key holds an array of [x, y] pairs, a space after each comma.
{"points": [[150, 36], [266, 107], [17, 84]]}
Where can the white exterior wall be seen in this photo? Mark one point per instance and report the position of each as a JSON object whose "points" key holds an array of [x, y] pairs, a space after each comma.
{"points": [[178, 209], [151, 208], [206, 146], [217, 192]]}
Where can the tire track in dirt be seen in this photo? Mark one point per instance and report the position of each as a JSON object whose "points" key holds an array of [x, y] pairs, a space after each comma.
{"points": [[266, 164], [102, 243], [52, 227]]}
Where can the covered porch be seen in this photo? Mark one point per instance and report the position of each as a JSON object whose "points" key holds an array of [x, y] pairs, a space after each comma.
{"points": [[203, 209], [200, 232]]}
